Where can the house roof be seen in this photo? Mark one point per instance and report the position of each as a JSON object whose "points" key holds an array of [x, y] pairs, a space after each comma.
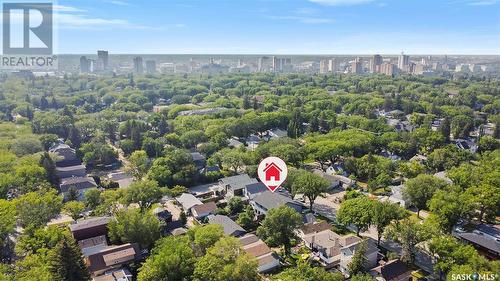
{"points": [[278, 133], [77, 182], [248, 239], [197, 156], [205, 208], [188, 201], [70, 168], [481, 240], [255, 188], [112, 255], [89, 223], [315, 227], [237, 182], [271, 200], [391, 269], [230, 227]]}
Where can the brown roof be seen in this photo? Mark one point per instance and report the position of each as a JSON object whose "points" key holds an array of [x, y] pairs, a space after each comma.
{"points": [[112, 255], [248, 239], [89, 223], [391, 269], [265, 259], [91, 242], [315, 227], [205, 208], [257, 249]]}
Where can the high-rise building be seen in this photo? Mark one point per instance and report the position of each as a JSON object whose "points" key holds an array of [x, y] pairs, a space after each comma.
{"points": [[403, 61], [84, 64], [281, 64], [388, 69], [138, 66], [102, 58], [333, 65], [375, 63], [150, 66], [323, 66], [357, 66]]}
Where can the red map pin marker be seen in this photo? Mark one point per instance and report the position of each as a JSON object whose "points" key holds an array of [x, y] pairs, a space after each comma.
{"points": [[272, 172]]}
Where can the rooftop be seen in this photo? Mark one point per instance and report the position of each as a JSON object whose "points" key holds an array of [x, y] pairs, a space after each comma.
{"points": [[89, 223]]}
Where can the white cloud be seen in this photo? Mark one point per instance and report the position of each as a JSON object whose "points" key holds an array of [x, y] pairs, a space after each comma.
{"points": [[482, 2], [341, 2], [118, 2], [307, 20], [67, 9]]}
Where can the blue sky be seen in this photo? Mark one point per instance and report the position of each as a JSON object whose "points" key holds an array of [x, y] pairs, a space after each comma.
{"points": [[279, 26]]}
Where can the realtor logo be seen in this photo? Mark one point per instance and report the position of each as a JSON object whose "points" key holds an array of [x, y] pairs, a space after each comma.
{"points": [[28, 37], [27, 29]]}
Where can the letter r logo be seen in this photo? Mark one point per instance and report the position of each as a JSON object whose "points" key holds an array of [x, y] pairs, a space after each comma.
{"points": [[29, 23]]}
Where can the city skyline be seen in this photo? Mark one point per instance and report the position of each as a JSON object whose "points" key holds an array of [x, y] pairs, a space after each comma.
{"points": [[279, 27]]}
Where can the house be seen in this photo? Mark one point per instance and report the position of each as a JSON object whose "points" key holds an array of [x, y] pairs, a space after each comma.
{"points": [[347, 253], [230, 227], [121, 274], [253, 189], [112, 257], [337, 169], [485, 238], [313, 227], [267, 259], [389, 155], [419, 158], [274, 134], [89, 228], [397, 196], [329, 248], [394, 270], [188, 201], [78, 184], [203, 210], [466, 144], [162, 214], [265, 201], [93, 245], [272, 172], [233, 186], [199, 160], [66, 156], [71, 171], [234, 142], [122, 178], [252, 141]]}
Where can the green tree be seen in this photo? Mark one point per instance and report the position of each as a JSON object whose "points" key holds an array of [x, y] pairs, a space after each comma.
{"points": [[383, 214], [235, 205], [311, 185], [138, 164], [305, 272], [92, 198], [66, 261], [226, 261], [204, 237], [7, 220], [172, 258], [407, 232], [448, 206], [358, 261], [362, 277], [357, 211], [278, 228], [73, 209], [133, 226], [144, 193], [245, 219], [37, 208], [485, 198], [420, 190]]}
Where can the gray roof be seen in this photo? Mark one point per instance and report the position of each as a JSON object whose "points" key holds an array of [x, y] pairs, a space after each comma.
{"points": [[90, 222], [70, 168], [188, 201], [237, 182], [230, 227], [197, 156], [255, 188], [271, 200], [77, 182], [481, 240]]}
